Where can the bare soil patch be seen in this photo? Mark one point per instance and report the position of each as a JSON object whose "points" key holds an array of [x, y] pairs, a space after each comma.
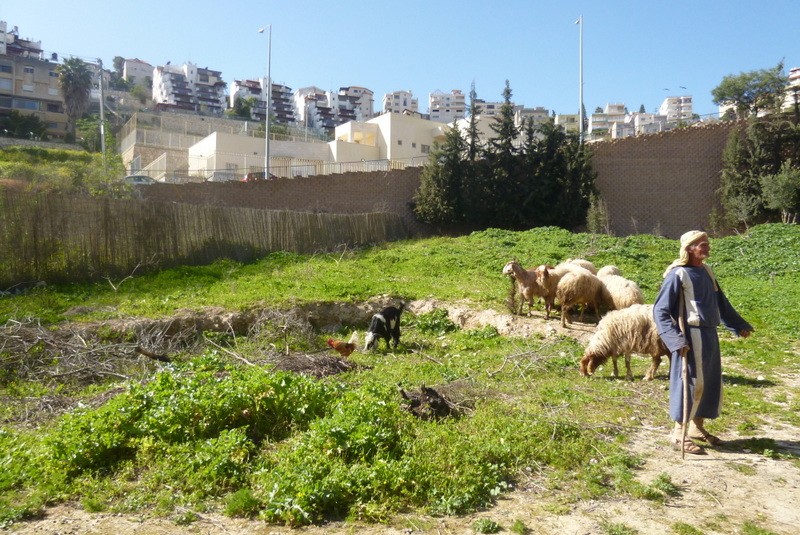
{"points": [[720, 491]]}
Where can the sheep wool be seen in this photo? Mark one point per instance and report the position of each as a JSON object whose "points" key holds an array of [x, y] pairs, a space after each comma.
{"points": [[625, 332]]}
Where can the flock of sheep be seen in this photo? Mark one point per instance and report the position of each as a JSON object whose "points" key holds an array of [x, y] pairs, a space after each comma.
{"points": [[628, 326]]}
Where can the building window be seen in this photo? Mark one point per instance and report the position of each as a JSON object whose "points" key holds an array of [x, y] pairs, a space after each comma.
{"points": [[413, 145], [425, 149], [27, 87], [25, 104], [399, 141], [53, 74], [6, 84], [55, 108], [28, 69], [5, 68]]}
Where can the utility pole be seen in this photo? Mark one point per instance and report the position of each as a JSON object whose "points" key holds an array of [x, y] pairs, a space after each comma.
{"points": [[579, 22], [102, 116]]}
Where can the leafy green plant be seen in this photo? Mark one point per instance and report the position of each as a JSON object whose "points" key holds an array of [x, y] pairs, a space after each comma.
{"points": [[486, 525]]}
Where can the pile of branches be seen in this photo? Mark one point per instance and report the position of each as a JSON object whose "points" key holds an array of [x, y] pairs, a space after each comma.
{"points": [[72, 354]]}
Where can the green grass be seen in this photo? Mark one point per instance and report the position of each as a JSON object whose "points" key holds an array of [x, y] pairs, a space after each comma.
{"points": [[208, 432]]}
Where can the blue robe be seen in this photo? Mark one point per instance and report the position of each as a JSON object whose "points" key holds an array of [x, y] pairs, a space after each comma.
{"points": [[704, 307]]}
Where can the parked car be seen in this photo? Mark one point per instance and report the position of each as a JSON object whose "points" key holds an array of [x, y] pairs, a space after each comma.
{"points": [[138, 180]]}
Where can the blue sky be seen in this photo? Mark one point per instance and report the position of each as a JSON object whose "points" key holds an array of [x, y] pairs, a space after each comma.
{"points": [[635, 52]]}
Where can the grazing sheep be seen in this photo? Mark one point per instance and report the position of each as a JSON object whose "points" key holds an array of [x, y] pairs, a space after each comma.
{"points": [[624, 292], [547, 278], [625, 332], [608, 270], [577, 288], [385, 324], [526, 284], [585, 264]]}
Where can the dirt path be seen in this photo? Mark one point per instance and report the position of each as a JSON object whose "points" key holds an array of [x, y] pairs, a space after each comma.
{"points": [[720, 491]]}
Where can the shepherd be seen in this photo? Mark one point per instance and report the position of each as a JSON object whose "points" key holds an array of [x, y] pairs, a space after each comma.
{"points": [[687, 311]]}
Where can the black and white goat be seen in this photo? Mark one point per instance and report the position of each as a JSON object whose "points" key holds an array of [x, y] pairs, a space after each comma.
{"points": [[385, 324]]}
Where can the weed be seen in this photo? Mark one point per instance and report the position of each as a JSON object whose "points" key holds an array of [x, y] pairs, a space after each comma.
{"points": [[486, 525], [749, 528], [682, 528]]}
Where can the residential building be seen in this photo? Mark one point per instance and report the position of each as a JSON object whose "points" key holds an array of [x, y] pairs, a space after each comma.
{"points": [[137, 72], [317, 109], [29, 81], [792, 95], [677, 109], [540, 115], [446, 107], [400, 101], [359, 99], [570, 122], [188, 87], [489, 109], [283, 110], [600, 123]]}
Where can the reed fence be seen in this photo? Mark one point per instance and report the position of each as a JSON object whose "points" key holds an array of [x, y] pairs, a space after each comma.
{"points": [[57, 238]]}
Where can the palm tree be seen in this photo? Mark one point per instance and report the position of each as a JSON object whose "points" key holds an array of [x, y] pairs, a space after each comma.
{"points": [[75, 80]]}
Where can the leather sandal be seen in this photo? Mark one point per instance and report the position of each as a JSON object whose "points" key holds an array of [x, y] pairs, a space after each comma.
{"points": [[705, 436], [688, 447]]}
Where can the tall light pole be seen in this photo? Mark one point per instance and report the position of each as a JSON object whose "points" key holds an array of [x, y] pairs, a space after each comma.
{"points": [[269, 99], [579, 22], [102, 115]]}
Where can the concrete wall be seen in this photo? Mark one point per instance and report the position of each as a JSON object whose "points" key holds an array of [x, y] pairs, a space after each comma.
{"points": [[663, 184]]}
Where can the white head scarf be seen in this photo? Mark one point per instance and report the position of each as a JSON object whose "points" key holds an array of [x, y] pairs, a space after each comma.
{"points": [[688, 239]]}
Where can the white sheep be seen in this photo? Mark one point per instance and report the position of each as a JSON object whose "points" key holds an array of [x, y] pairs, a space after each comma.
{"points": [[608, 270], [526, 284], [624, 292], [625, 332], [585, 264], [576, 288]]}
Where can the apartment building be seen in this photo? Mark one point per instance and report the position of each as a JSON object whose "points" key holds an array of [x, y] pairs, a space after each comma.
{"points": [[358, 99], [677, 109], [792, 94], [600, 123], [489, 109], [399, 102], [570, 122], [283, 110], [29, 81], [137, 72], [446, 107], [317, 109], [188, 87], [539, 115]]}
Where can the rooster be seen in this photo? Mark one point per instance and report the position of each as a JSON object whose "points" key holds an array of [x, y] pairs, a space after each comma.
{"points": [[344, 348]]}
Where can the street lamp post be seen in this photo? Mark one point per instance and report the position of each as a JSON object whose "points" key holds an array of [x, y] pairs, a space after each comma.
{"points": [[580, 77], [269, 99]]}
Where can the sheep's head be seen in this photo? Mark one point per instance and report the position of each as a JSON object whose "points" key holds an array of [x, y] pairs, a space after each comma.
{"points": [[590, 362], [508, 269], [542, 273]]}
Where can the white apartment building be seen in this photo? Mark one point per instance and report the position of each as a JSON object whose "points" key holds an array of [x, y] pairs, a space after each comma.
{"points": [[792, 90], [189, 87], [400, 101], [570, 122], [638, 123], [358, 99], [488, 109], [677, 109], [600, 123], [137, 72], [540, 115], [446, 107]]}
